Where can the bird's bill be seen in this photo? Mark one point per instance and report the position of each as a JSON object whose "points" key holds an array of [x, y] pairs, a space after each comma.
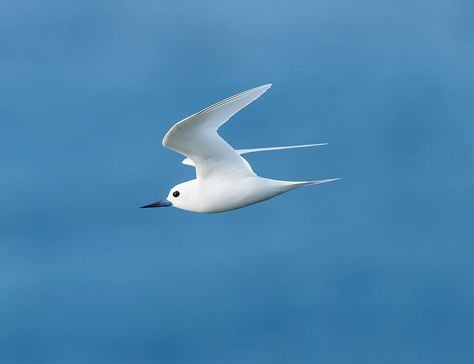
{"points": [[162, 203]]}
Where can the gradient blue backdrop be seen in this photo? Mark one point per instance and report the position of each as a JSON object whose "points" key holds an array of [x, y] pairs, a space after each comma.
{"points": [[376, 268]]}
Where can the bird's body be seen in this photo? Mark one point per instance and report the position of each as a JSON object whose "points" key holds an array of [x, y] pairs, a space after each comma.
{"points": [[224, 179], [230, 193]]}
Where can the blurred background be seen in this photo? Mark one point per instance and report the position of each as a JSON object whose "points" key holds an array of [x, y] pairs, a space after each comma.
{"points": [[375, 268]]}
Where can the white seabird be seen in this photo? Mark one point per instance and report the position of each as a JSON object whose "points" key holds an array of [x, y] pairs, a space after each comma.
{"points": [[224, 179]]}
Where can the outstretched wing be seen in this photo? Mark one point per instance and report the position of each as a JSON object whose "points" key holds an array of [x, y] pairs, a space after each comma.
{"points": [[268, 149], [189, 162], [196, 137]]}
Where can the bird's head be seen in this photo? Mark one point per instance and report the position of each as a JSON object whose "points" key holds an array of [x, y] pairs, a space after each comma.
{"points": [[181, 196]]}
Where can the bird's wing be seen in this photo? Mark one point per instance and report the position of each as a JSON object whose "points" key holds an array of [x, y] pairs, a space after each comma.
{"points": [[253, 150], [196, 137], [189, 162]]}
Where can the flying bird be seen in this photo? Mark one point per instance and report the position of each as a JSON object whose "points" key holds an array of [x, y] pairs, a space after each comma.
{"points": [[224, 179]]}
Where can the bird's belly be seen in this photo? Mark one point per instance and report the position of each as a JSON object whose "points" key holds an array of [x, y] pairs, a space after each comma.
{"points": [[234, 195]]}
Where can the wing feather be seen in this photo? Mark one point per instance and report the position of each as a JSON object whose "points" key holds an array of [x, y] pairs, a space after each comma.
{"points": [[196, 137], [189, 162]]}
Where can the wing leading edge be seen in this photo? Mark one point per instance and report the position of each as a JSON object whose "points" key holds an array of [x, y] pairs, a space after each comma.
{"points": [[189, 162], [196, 137]]}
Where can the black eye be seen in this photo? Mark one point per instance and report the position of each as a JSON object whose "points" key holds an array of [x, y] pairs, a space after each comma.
{"points": [[175, 193]]}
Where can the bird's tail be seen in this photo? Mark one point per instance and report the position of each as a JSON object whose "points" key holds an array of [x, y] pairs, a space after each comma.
{"points": [[285, 186], [316, 182]]}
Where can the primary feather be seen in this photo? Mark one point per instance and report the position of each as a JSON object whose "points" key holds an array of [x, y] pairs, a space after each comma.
{"points": [[196, 137]]}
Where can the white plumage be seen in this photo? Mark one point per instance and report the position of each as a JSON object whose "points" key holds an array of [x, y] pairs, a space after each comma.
{"points": [[224, 179]]}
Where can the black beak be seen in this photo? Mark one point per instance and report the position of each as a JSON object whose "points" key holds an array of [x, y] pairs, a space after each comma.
{"points": [[162, 203]]}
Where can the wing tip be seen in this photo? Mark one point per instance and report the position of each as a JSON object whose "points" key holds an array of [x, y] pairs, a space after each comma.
{"points": [[266, 86], [313, 145], [259, 90]]}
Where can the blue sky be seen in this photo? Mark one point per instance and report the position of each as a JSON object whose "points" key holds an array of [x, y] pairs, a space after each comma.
{"points": [[374, 268]]}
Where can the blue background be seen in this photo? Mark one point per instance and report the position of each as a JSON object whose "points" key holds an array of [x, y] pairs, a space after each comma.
{"points": [[375, 268]]}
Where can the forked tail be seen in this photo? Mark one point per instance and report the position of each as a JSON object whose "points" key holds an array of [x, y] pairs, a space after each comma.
{"points": [[317, 182], [284, 186]]}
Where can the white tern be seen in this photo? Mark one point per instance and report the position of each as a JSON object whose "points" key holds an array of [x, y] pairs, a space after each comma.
{"points": [[224, 179]]}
